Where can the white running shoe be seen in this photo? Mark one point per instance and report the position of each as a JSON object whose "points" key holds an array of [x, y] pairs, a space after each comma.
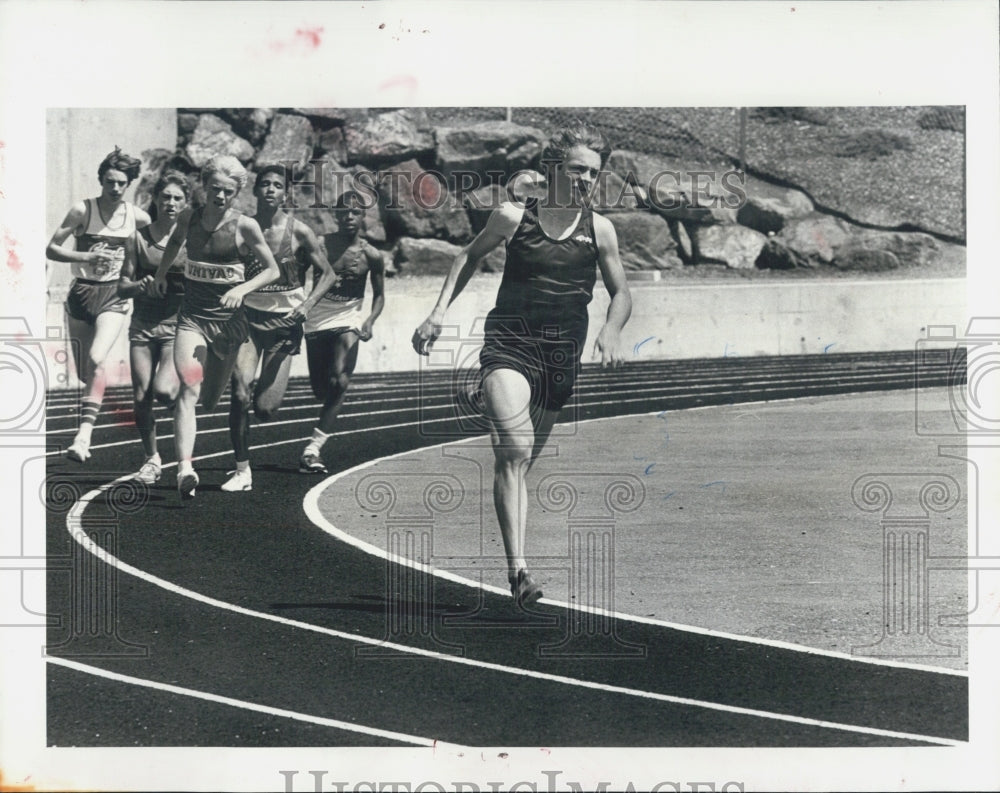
{"points": [[149, 474], [186, 484], [240, 481], [79, 452], [311, 463]]}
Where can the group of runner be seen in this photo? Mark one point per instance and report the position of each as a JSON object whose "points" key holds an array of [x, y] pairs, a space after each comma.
{"points": [[220, 298], [216, 294]]}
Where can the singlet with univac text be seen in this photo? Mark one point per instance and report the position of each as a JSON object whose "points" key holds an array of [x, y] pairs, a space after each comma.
{"points": [[213, 267]]}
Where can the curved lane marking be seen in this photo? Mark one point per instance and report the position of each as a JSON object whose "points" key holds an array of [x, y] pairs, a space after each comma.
{"points": [[311, 506], [74, 520], [239, 703]]}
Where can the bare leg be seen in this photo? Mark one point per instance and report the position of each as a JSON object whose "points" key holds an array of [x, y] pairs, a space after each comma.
{"points": [[93, 343], [166, 383], [507, 396], [190, 351], [272, 384], [345, 358], [141, 360], [239, 399], [332, 359], [217, 373]]}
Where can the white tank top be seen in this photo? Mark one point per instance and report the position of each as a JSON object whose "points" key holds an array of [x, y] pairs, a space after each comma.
{"points": [[98, 235]]}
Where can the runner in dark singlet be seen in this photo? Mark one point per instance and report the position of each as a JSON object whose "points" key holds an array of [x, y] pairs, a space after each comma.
{"points": [[336, 323], [534, 336], [275, 314], [154, 318], [95, 314], [211, 324]]}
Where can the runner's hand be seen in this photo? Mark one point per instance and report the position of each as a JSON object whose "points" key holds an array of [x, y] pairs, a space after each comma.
{"points": [[298, 314], [100, 258], [365, 333], [159, 287], [608, 344], [425, 335], [232, 299], [147, 287]]}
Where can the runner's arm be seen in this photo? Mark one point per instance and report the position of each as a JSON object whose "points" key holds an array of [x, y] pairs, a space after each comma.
{"points": [[308, 243], [253, 239], [376, 275], [57, 251], [608, 342], [500, 227], [142, 218], [174, 245], [127, 287]]}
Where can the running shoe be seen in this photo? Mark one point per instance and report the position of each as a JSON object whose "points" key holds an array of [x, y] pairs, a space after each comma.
{"points": [[79, 452], [311, 463], [238, 482], [149, 474], [524, 589], [186, 483]]}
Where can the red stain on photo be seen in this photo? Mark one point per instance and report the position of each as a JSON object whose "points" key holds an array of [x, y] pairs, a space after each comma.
{"points": [[427, 190], [312, 36], [304, 40], [13, 260], [405, 81]]}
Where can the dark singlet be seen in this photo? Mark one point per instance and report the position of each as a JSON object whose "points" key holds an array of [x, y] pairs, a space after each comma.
{"points": [[149, 254], [213, 267], [549, 282], [288, 291], [352, 275]]}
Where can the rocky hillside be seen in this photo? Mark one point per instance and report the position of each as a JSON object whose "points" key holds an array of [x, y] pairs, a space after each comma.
{"points": [[823, 190]]}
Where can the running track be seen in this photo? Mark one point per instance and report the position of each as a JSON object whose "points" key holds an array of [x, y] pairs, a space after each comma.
{"points": [[234, 621]]}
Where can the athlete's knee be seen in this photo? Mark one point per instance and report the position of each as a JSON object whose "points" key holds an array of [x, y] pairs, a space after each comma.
{"points": [[165, 396], [512, 453], [265, 413], [241, 393], [190, 374], [339, 381], [142, 394]]}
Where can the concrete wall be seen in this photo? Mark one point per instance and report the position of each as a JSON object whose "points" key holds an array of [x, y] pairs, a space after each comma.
{"points": [[671, 320], [76, 141]]}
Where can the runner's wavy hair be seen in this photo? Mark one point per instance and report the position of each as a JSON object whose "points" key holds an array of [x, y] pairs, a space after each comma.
{"points": [[119, 161], [169, 177], [225, 165], [559, 145]]}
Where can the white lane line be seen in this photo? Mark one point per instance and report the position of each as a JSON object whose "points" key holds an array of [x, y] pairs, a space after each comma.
{"points": [[244, 705], [74, 525], [313, 512], [311, 419]]}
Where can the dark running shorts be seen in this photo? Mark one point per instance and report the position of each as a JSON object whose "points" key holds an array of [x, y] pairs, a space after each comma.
{"points": [[275, 333], [222, 336], [87, 299], [152, 331], [550, 363]]}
